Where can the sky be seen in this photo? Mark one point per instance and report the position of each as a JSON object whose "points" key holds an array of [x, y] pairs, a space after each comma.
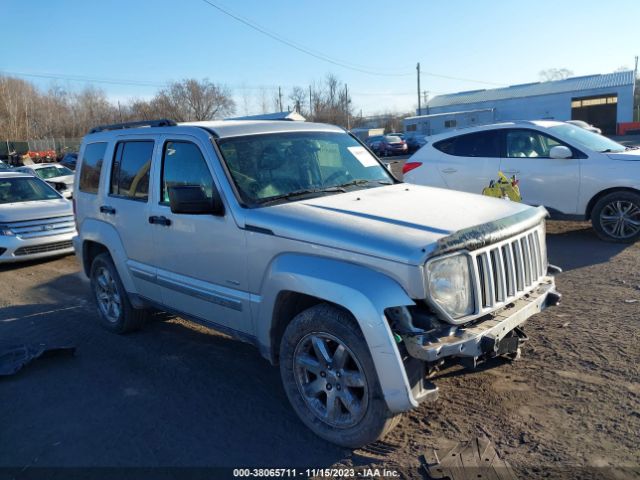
{"points": [[131, 48]]}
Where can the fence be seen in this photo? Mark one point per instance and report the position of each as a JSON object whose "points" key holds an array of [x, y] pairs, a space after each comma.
{"points": [[20, 147]]}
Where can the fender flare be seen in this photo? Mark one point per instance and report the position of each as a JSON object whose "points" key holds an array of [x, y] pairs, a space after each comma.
{"points": [[364, 292], [106, 235]]}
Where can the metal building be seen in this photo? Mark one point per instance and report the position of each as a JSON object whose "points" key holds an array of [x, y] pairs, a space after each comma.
{"points": [[602, 100]]}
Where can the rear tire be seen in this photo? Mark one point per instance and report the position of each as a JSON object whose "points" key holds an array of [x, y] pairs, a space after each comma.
{"points": [[114, 308], [616, 217], [330, 380]]}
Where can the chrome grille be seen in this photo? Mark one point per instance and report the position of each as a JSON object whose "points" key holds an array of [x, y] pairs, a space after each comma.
{"points": [[509, 269], [47, 247], [43, 227]]}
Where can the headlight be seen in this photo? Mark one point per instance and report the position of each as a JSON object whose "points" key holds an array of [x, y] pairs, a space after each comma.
{"points": [[449, 284], [6, 231]]}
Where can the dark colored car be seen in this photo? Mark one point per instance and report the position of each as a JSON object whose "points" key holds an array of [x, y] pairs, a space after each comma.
{"points": [[392, 145], [416, 142], [69, 160]]}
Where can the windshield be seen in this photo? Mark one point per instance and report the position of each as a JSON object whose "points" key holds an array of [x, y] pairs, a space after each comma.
{"points": [[271, 166], [52, 171], [584, 138], [25, 189], [392, 139]]}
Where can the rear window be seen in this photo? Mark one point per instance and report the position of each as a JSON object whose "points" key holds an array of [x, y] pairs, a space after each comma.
{"points": [[130, 171], [481, 144], [92, 160]]}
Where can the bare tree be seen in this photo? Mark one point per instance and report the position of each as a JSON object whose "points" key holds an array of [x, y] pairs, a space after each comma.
{"points": [[191, 100], [551, 74]]}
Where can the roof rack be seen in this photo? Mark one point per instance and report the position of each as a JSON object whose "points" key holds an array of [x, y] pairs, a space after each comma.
{"points": [[163, 122]]}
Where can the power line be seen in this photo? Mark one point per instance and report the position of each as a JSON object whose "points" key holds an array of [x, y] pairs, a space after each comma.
{"points": [[326, 58], [300, 48]]}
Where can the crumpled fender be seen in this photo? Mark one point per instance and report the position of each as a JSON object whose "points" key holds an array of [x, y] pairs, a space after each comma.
{"points": [[364, 292]]}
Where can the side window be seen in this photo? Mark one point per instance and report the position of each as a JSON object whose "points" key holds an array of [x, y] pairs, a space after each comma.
{"points": [[528, 144], [130, 171], [183, 164], [91, 166], [480, 144]]}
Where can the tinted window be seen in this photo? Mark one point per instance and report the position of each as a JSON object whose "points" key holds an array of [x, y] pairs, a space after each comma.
{"points": [[481, 144], [528, 143], [183, 164], [130, 171], [91, 167]]}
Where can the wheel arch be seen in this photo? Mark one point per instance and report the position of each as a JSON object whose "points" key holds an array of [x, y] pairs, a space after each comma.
{"points": [[296, 282], [602, 193]]}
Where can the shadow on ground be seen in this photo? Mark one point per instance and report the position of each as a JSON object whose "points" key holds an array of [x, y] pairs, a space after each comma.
{"points": [[578, 246], [173, 394]]}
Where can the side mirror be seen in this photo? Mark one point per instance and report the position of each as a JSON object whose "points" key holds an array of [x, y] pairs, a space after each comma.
{"points": [[560, 151], [191, 199]]}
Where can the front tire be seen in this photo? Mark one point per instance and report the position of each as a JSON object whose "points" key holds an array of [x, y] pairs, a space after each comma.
{"points": [[616, 217], [114, 308], [330, 380]]}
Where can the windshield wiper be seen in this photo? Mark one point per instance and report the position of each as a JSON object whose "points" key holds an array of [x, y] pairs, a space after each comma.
{"points": [[632, 147], [362, 181], [304, 191]]}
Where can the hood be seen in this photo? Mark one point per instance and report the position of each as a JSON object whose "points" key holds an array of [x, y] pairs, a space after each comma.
{"points": [[66, 179], [24, 211], [627, 155], [402, 222]]}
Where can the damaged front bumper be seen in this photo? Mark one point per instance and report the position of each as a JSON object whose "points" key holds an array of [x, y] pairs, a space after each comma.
{"points": [[495, 334], [482, 338]]}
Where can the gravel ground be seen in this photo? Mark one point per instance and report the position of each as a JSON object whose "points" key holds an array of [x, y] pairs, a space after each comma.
{"points": [[179, 395]]}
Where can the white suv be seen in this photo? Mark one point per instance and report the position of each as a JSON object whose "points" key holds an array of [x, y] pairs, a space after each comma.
{"points": [[293, 237], [574, 173]]}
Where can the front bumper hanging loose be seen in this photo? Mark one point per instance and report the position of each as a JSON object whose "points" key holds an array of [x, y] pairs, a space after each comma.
{"points": [[483, 338]]}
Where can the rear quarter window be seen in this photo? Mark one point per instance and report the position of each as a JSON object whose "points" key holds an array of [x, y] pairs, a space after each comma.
{"points": [[480, 144], [91, 166]]}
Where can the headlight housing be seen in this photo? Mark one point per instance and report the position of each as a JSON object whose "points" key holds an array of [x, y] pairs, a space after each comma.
{"points": [[449, 285], [6, 231]]}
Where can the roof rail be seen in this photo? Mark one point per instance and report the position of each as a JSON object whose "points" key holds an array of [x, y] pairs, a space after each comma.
{"points": [[163, 122]]}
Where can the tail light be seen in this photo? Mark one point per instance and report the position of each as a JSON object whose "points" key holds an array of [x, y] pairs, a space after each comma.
{"points": [[408, 166]]}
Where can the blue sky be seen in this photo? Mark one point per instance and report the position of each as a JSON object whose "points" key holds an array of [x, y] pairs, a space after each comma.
{"points": [[148, 43]]}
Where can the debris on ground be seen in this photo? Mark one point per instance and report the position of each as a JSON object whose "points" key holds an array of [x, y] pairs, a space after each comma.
{"points": [[15, 357]]}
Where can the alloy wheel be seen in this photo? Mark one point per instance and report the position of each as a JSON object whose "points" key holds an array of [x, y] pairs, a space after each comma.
{"points": [[331, 380], [107, 295], [620, 219]]}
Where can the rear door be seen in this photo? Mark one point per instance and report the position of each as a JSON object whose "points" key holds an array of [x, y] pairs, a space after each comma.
{"points": [[552, 182], [469, 162], [126, 207]]}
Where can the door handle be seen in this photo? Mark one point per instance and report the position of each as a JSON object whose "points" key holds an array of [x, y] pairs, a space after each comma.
{"points": [[162, 220], [449, 170], [108, 210]]}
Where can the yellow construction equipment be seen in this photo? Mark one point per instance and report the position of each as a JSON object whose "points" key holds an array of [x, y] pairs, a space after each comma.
{"points": [[503, 188]]}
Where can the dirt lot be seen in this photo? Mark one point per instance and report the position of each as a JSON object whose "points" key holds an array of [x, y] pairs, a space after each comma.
{"points": [[177, 395]]}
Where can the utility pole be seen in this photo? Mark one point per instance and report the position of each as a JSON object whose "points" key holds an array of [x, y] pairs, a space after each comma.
{"points": [[635, 81], [310, 105], [419, 106], [280, 98], [346, 105]]}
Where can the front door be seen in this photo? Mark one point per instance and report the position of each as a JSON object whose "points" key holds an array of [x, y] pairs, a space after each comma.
{"points": [[201, 258], [552, 182]]}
